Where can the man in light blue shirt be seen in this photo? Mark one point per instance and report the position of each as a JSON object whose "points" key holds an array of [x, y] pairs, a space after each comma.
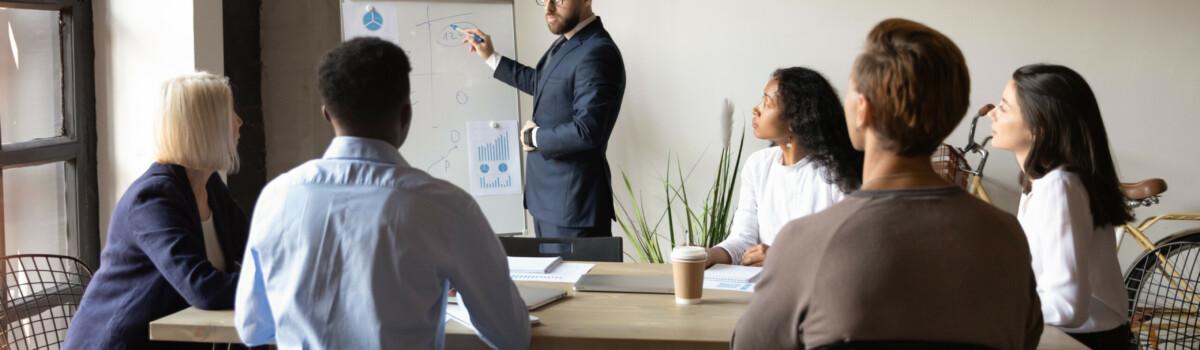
{"points": [[357, 250]]}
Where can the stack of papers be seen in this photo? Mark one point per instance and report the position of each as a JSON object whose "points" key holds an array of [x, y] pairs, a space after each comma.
{"points": [[533, 265], [732, 273], [566, 272]]}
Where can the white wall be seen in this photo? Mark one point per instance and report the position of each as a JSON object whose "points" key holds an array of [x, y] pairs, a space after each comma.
{"points": [[683, 56], [137, 48]]}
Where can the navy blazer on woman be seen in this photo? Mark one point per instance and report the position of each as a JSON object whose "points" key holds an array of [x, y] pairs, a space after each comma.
{"points": [[154, 263], [577, 95]]}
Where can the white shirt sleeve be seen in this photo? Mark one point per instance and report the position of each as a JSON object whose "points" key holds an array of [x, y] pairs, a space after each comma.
{"points": [[493, 61], [1061, 224], [744, 231], [534, 136]]}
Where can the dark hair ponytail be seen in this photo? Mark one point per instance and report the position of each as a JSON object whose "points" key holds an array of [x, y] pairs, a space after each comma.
{"points": [[815, 116], [1061, 111]]}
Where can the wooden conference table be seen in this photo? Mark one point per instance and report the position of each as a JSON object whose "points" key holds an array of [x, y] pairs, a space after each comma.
{"points": [[581, 321]]}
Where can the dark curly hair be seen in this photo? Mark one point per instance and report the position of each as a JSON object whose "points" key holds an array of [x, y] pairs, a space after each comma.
{"points": [[364, 79], [816, 119]]}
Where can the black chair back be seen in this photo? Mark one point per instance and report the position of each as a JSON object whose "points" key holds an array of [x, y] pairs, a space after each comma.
{"points": [[900, 345], [603, 249]]}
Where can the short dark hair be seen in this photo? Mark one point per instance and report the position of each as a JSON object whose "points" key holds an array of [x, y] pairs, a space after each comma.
{"points": [[815, 116], [364, 79], [916, 80], [1061, 111]]}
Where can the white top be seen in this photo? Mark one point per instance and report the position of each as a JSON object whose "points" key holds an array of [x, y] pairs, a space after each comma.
{"points": [[357, 250], [212, 247], [1079, 279], [773, 194]]}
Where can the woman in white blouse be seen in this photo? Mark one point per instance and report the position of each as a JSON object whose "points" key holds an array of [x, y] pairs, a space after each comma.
{"points": [[1049, 117], [809, 167]]}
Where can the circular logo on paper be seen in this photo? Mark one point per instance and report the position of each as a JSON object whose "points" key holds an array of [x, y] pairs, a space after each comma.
{"points": [[503, 167], [373, 20], [483, 168]]}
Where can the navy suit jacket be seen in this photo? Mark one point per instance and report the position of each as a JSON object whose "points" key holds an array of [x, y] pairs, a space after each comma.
{"points": [[154, 263], [577, 95]]}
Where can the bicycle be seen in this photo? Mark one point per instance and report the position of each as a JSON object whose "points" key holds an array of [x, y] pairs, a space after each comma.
{"points": [[950, 162]]}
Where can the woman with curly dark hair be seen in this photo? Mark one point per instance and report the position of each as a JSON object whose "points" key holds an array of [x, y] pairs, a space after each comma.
{"points": [[809, 167]]}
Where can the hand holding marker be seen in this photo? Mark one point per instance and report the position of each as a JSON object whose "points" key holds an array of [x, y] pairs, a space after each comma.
{"points": [[478, 41], [475, 37]]}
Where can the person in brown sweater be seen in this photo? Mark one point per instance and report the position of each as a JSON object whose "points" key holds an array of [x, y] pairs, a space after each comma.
{"points": [[909, 258]]}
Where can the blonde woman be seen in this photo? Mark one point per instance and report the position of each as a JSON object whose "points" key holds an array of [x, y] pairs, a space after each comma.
{"points": [[176, 235]]}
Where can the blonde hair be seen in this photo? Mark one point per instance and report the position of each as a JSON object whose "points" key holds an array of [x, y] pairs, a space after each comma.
{"points": [[196, 124]]}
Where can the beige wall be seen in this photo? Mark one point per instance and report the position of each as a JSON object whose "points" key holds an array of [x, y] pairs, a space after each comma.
{"points": [[137, 48]]}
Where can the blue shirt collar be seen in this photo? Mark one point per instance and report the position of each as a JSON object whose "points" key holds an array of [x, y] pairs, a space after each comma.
{"points": [[363, 149]]}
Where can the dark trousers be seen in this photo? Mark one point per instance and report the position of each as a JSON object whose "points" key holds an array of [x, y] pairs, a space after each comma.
{"points": [[544, 230], [1117, 338]]}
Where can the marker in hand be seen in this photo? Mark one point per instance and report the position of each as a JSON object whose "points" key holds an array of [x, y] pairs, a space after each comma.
{"points": [[475, 37]]}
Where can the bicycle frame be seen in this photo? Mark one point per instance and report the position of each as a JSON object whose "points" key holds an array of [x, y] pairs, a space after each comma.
{"points": [[975, 178]]}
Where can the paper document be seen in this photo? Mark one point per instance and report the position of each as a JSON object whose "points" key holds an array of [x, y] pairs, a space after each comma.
{"points": [[495, 160], [458, 313], [732, 273], [566, 272], [733, 286], [533, 265]]}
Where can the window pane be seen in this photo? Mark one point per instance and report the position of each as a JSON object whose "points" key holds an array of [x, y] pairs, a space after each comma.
{"points": [[31, 101], [35, 210]]}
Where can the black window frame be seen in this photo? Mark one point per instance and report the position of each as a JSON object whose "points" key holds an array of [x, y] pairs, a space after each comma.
{"points": [[77, 146]]}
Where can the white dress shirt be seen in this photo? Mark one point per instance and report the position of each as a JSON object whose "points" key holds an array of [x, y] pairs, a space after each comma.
{"points": [[773, 194], [1079, 279], [357, 251], [493, 61]]}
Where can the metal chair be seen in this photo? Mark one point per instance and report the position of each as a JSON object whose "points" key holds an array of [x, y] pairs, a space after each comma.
{"points": [[40, 296], [606, 249], [1163, 301]]}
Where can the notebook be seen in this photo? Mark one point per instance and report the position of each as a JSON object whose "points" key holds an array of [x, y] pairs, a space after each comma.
{"points": [[732, 273], [532, 265], [534, 297]]}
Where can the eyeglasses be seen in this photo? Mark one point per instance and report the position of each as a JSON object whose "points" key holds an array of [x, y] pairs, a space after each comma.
{"points": [[556, 3]]}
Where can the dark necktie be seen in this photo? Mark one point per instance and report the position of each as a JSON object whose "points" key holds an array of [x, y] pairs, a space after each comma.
{"points": [[554, 47]]}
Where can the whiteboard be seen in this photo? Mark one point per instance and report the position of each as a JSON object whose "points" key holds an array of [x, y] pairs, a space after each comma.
{"points": [[451, 89]]}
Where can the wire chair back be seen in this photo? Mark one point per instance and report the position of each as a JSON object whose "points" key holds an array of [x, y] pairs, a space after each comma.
{"points": [[1164, 304], [40, 296]]}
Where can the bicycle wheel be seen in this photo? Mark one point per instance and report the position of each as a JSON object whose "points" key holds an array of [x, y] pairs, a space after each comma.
{"points": [[1164, 304], [1134, 275]]}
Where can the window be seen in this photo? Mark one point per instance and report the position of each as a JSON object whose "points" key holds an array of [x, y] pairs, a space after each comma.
{"points": [[48, 191]]}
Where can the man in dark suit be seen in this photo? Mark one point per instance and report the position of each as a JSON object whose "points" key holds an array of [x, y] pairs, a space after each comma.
{"points": [[577, 87]]}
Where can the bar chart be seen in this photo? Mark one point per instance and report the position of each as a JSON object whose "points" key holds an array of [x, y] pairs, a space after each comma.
{"points": [[495, 151], [494, 158]]}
